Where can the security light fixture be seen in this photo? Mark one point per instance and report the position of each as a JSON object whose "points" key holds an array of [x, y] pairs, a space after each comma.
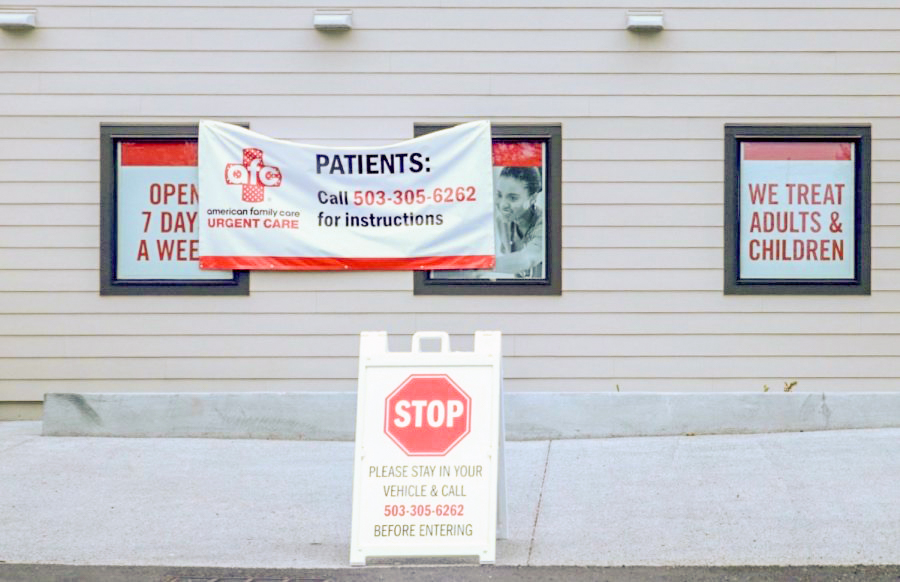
{"points": [[333, 20], [17, 19], [645, 20]]}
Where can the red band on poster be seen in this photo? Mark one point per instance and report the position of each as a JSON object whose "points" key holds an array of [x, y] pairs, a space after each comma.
{"points": [[339, 264], [518, 153], [798, 151], [159, 153]]}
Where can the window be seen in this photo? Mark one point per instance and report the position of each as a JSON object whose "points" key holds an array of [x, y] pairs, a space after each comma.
{"points": [[148, 215], [527, 163], [797, 209]]}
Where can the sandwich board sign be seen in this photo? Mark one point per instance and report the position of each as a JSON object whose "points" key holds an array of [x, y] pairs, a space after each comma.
{"points": [[428, 450]]}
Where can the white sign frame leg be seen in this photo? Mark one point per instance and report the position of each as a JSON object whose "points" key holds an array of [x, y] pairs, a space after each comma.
{"points": [[429, 471]]}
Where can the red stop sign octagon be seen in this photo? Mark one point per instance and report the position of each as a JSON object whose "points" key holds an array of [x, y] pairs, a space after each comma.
{"points": [[427, 415]]}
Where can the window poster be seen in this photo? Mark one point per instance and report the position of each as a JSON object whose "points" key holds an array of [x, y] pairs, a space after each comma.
{"points": [[797, 210], [156, 211], [519, 173]]}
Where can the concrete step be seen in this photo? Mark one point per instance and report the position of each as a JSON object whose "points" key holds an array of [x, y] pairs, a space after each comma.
{"points": [[331, 416]]}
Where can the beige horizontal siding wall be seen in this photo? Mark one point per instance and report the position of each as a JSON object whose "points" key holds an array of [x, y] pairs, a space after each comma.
{"points": [[642, 305]]}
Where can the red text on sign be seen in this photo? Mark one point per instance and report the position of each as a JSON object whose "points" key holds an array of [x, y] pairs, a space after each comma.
{"points": [[184, 194]]}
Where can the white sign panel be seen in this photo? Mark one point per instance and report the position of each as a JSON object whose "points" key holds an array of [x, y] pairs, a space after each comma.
{"points": [[156, 212], [427, 447], [425, 203], [797, 210]]}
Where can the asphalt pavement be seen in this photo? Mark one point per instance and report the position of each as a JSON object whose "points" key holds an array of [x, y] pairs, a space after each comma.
{"points": [[798, 506]]}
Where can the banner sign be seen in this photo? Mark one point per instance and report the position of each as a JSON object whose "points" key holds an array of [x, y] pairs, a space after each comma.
{"points": [[797, 210], [425, 203]]}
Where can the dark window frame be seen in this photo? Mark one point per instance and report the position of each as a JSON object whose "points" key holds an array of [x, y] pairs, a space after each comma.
{"points": [[861, 136], [551, 135], [110, 135]]}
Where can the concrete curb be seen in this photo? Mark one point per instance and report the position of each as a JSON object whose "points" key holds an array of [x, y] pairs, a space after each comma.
{"points": [[541, 416], [330, 416]]}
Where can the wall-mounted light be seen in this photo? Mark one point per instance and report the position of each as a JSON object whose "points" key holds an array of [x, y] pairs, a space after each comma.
{"points": [[645, 20], [333, 19], [18, 19]]}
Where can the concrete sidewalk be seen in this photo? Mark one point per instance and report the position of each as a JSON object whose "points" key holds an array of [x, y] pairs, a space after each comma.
{"points": [[816, 498]]}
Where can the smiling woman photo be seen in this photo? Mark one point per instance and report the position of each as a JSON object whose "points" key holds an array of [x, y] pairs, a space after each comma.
{"points": [[520, 224]]}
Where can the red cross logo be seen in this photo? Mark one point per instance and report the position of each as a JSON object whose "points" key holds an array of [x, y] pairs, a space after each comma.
{"points": [[252, 175]]}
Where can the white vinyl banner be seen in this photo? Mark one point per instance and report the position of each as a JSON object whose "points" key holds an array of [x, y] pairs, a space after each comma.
{"points": [[425, 203]]}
